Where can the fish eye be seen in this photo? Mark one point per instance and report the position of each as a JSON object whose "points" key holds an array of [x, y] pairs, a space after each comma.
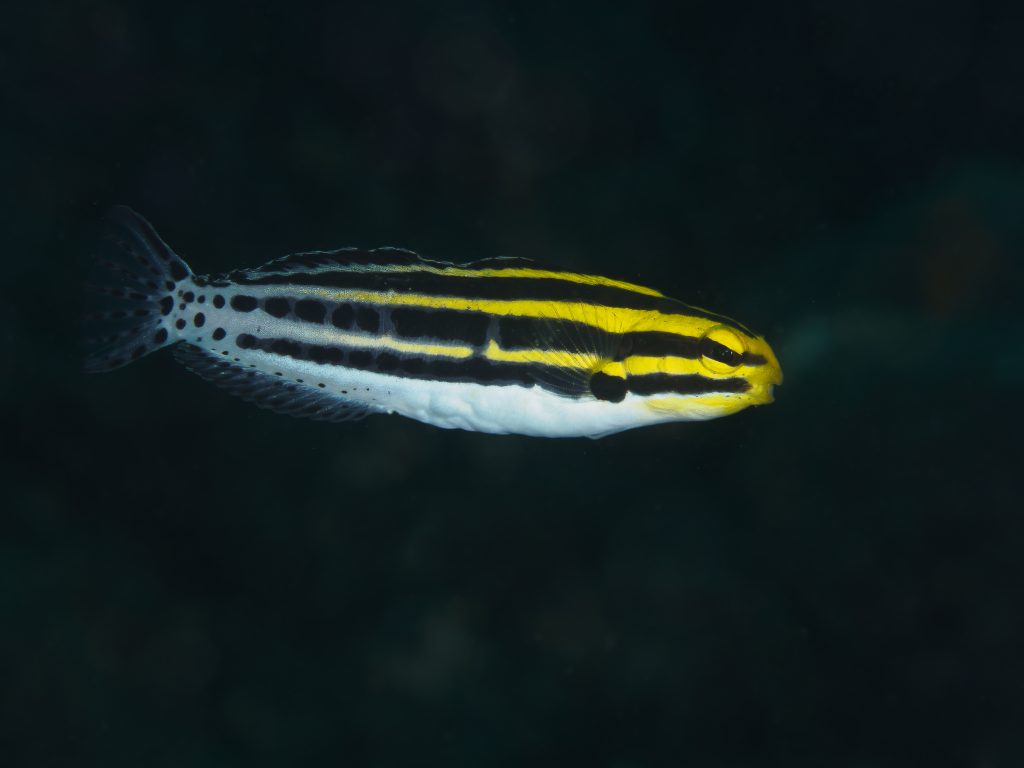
{"points": [[718, 349]]}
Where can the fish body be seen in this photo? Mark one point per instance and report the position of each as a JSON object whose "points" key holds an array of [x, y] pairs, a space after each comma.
{"points": [[500, 346]]}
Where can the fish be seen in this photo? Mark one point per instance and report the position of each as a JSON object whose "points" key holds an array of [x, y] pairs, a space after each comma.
{"points": [[502, 345]]}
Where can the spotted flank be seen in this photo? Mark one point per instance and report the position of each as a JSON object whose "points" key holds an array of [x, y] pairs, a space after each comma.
{"points": [[501, 345]]}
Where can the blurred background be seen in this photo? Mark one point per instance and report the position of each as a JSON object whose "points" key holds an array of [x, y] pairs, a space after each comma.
{"points": [[835, 579]]}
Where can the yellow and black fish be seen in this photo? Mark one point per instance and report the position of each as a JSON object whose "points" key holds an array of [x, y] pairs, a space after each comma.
{"points": [[502, 345]]}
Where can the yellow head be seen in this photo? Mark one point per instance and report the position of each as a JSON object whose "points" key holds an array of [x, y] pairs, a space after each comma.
{"points": [[695, 367]]}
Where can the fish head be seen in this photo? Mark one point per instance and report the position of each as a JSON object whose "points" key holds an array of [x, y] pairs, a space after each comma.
{"points": [[720, 369]]}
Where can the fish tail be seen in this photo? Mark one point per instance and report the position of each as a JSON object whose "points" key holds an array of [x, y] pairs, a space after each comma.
{"points": [[132, 293]]}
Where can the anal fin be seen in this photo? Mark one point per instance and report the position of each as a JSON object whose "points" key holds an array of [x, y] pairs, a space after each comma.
{"points": [[271, 392]]}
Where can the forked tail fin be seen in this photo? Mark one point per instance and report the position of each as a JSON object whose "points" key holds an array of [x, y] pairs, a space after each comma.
{"points": [[131, 294]]}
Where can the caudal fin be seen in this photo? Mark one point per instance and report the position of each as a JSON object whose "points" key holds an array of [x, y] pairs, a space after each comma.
{"points": [[132, 293]]}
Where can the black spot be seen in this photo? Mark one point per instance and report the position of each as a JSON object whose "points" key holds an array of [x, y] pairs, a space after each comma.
{"points": [[277, 307], [178, 270], [609, 388], [311, 311], [179, 324], [166, 305], [342, 317], [360, 358], [199, 319], [225, 352], [386, 361], [368, 319], [321, 385], [201, 299], [168, 285], [189, 297], [243, 303], [218, 334], [218, 301], [182, 305], [138, 352], [160, 336], [246, 341]]}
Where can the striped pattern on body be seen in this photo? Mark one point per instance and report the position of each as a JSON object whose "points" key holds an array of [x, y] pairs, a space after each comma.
{"points": [[494, 322], [500, 345]]}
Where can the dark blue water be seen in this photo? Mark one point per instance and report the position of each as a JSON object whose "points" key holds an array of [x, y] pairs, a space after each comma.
{"points": [[835, 579]]}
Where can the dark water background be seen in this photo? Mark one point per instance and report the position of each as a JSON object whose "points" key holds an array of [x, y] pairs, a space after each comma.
{"points": [[832, 580]]}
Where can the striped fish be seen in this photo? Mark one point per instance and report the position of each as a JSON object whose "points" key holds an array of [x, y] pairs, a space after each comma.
{"points": [[501, 346]]}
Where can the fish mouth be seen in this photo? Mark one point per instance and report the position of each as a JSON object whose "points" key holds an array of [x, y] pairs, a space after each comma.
{"points": [[762, 394], [771, 376]]}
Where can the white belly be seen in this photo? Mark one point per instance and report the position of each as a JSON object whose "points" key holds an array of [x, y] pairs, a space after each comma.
{"points": [[507, 409]]}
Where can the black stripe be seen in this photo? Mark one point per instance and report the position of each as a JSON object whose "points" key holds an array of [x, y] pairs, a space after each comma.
{"points": [[688, 384], [482, 371], [485, 288], [568, 335], [661, 344], [565, 335], [442, 324], [542, 333], [513, 332], [310, 310], [474, 370]]}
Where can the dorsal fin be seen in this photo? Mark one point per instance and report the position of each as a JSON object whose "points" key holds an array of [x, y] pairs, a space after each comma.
{"points": [[346, 258], [343, 258], [505, 262]]}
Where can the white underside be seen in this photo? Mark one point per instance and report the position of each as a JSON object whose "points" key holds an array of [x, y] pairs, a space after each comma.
{"points": [[507, 409]]}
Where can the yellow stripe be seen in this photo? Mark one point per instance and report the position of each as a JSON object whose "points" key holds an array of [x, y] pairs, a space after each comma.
{"points": [[631, 366], [682, 366], [325, 336], [610, 319], [706, 406], [558, 359], [641, 366]]}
